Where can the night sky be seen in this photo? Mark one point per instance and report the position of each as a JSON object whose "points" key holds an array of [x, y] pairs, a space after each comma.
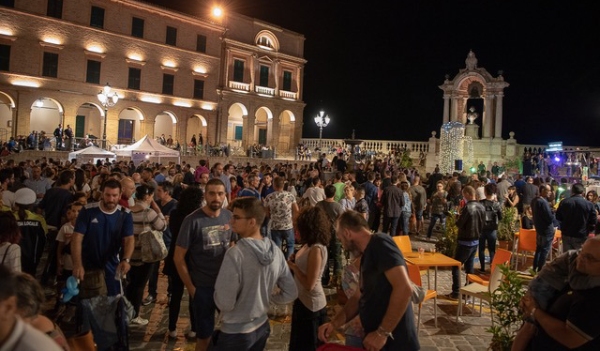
{"points": [[376, 67]]}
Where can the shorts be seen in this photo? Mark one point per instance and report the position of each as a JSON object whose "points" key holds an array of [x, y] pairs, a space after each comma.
{"points": [[204, 311], [419, 215]]}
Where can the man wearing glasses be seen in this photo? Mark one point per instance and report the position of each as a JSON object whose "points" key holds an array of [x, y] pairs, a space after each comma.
{"points": [[562, 308], [245, 285], [203, 239]]}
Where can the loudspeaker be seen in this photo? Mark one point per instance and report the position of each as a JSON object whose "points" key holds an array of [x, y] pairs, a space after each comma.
{"points": [[458, 165]]}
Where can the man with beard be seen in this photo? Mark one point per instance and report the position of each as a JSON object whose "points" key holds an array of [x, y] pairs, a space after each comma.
{"points": [[204, 237], [100, 231], [383, 300]]}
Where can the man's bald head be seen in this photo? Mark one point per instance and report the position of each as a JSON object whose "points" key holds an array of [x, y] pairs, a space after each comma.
{"points": [[128, 186]]}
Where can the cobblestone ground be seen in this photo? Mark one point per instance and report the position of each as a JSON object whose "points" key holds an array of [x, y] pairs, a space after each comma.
{"points": [[468, 334]]}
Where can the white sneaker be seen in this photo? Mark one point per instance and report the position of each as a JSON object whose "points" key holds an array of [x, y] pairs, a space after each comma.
{"points": [[191, 335], [173, 333], [139, 321]]}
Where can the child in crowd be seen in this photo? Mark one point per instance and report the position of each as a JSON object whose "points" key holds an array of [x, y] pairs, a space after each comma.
{"points": [[63, 251]]}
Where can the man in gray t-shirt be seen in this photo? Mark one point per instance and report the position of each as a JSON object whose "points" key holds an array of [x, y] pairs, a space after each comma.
{"points": [[203, 239]]}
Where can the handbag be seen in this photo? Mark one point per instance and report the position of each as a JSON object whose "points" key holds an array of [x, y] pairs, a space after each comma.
{"points": [[82, 342], [153, 245]]}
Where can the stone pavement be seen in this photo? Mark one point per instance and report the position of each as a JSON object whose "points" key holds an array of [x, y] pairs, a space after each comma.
{"points": [[467, 335]]}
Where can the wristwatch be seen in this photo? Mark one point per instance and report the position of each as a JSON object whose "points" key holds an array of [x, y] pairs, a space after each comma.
{"points": [[125, 259], [383, 332]]}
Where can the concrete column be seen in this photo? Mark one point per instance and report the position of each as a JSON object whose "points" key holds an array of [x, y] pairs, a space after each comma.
{"points": [[453, 109], [498, 126], [247, 131], [487, 116], [446, 108]]}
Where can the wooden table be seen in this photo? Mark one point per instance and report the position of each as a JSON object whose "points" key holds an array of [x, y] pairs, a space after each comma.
{"points": [[428, 259]]}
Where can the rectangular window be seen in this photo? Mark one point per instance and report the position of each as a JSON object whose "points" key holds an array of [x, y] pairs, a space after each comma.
{"points": [[7, 3], [168, 81], [50, 65], [93, 72], [4, 57], [287, 81], [97, 17], [238, 71], [198, 89], [55, 8], [201, 43], [135, 76], [171, 36], [264, 76], [137, 27]]}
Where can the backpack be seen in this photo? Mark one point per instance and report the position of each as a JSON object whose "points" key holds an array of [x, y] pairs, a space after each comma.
{"points": [[491, 215]]}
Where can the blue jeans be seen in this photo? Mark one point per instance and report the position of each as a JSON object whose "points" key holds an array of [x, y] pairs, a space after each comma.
{"points": [[288, 235], [489, 236], [405, 222], [305, 324], [466, 256], [253, 341], [433, 219], [390, 225], [543, 245]]}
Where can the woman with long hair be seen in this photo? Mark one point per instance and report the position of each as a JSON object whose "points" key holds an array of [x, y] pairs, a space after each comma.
{"points": [[189, 201], [307, 265], [10, 251], [81, 183], [146, 215]]}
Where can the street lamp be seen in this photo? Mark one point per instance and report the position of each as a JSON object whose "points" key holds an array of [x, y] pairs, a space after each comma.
{"points": [[322, 120], [107, 98]]}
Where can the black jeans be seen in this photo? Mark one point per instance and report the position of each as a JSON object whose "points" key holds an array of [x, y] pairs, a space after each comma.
{"points": [[137, 278], [177, 287], [305, 324], [466, 256]]}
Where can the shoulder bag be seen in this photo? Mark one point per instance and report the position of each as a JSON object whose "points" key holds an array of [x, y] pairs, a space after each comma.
{"points": [[153, 245]]}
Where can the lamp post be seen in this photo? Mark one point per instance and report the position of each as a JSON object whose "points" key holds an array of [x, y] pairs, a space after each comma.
{"points": [[321, 120], [107, 98]]}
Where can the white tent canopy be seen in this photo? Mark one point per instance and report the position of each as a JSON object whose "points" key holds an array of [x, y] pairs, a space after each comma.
{"points": [[91, 153], [148, 147]]}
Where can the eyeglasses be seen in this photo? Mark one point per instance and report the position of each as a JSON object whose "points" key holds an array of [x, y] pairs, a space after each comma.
{"points": [[237, 218], [589, 257]]}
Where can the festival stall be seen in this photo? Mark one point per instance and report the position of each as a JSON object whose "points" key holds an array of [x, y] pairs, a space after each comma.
{"points": [[147, 148]]}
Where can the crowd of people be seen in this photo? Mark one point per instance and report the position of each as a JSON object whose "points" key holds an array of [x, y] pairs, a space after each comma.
{"points": [[235, 232]]}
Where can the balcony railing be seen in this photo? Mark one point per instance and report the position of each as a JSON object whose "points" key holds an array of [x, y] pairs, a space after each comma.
{"points": [[371, 145], [288, 94], [239, 86], [265, 90]]}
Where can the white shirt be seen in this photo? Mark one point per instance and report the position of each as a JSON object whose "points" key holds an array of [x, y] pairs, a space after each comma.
{"points": [[26, 338]]}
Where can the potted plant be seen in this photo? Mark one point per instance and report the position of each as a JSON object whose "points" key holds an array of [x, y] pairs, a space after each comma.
{"points": [[506, 316], [447, 243], [507, 227]]}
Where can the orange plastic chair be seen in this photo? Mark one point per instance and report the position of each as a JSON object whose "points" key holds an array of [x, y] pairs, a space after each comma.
{"points": [[525, 242], [501, 256], [403, 242], [415, 276]]}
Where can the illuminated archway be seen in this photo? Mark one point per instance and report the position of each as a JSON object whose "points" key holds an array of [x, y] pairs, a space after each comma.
{"points": [[129, 130], [263, 126], [287, 122], [196, 126], [7, 104], [46, 115], [235, 124], [165, 124]]}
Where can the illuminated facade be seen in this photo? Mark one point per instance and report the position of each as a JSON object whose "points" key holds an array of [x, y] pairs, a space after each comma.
{"points": [[235, 80]]}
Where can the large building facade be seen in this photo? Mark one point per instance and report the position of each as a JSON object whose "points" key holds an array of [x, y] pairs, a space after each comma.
{"points": [[233, 80]]}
